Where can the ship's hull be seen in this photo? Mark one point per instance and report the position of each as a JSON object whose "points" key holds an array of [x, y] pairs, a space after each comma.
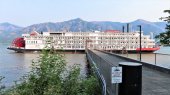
{"points": [[21, 50], [148, 49]]}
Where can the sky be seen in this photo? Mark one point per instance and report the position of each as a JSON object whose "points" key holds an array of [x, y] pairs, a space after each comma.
{"points": [[27, 12]]}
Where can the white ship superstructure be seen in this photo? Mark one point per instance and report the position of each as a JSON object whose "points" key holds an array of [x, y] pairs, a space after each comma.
{"points": [[81, 40]]}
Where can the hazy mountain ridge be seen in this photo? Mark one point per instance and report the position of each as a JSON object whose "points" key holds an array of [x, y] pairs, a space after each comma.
{"points": [[9, 27], [8, 30]]}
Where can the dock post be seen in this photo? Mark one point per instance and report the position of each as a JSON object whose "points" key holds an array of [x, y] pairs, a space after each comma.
{"points": [[155, 59], [131, 79]]}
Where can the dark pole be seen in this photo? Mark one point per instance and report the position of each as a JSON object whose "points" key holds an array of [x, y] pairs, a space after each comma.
{"points": [[123, 29], [155, 58], [127, 27], [140, 29]]}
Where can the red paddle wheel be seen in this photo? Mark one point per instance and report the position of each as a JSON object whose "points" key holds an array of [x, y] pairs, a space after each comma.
{"points": [[18, 42]]}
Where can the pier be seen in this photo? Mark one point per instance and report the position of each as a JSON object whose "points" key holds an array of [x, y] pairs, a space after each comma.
{"points": [[155, 80]]}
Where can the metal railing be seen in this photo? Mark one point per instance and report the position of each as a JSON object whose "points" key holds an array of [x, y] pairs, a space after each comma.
{"points": [[99, 75], [162, 60], [104, 69], [152, 65]]}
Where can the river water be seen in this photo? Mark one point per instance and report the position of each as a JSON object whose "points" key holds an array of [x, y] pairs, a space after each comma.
{"points": [[162, 57], [14, 65]]}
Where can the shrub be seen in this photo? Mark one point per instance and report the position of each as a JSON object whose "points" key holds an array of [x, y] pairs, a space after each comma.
{"points": [[1, 86]]}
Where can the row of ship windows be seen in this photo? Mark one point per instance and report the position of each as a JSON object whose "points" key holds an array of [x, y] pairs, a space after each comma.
{"points": [[98, 38], [78, 34], [121, 42], [118, 34], [71, 47], [75, 37], [100, 42], [97, 47], [31, 42], [104, 33], [120, 38], [93, 47], [121, 46]]}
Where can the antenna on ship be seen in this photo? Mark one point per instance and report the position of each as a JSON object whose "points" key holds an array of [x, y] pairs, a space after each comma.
{"points": [[123, 29], [128, 27]]}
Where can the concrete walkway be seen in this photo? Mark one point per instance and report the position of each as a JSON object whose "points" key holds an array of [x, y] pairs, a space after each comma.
{"points": [[153, 82]]}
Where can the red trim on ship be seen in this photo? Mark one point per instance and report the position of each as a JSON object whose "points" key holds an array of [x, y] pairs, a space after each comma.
{"points": [[113, 31], [148, 49], [34, 33]]}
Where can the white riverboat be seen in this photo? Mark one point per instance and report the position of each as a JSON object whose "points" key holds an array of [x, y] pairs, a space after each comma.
{"points": [[108, 40]]}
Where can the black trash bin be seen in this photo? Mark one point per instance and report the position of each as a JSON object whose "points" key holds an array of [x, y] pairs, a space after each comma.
{"points": [[131, 79]]}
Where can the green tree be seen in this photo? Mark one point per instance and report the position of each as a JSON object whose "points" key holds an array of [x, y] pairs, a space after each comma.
{"points": [[165, 37], [1, 86]]}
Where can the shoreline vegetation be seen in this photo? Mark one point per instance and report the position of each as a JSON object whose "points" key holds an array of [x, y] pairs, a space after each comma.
{"points": [[50, 76]]}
